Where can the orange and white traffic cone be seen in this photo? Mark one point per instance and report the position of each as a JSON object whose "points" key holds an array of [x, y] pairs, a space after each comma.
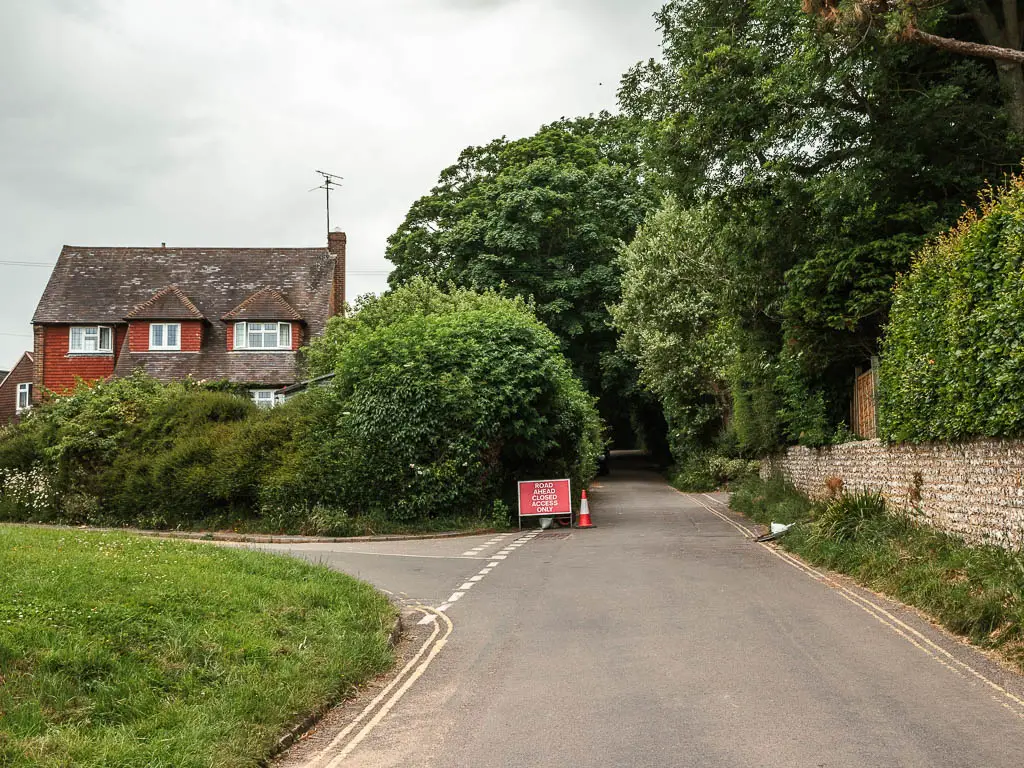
{"points": [[584, 521]]}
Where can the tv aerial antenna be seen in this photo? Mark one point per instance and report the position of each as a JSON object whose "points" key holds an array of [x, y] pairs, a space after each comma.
{"points": [[331, 181]]}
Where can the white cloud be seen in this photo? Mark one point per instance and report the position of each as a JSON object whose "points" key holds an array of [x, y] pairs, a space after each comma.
{"points": [[200, 123]]}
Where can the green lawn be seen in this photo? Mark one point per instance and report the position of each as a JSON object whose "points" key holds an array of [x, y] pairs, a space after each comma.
{"points": [[118, 650]]}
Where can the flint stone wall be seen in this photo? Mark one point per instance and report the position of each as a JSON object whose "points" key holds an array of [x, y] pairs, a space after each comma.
{"points": [[974, 490]]}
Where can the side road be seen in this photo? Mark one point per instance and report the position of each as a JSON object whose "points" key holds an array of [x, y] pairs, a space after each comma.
{"points": [[665, 636]]}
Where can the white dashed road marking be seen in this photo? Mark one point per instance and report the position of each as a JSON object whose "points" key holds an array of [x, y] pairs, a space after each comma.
{"points": [[338, 749], [495, 560], [492, 542]]}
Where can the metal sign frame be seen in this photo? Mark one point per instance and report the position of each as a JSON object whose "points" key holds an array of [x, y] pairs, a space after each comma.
{"points": [[519, 501]]}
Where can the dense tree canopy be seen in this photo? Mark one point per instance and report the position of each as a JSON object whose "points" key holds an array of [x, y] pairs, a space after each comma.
{"points": [[825, 162], [540, 217], [989, 29], [672, 319]]}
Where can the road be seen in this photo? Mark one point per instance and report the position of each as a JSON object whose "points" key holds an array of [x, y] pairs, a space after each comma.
{"points": [[663, 637]]}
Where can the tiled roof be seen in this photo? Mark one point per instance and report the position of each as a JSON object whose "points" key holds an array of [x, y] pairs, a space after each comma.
{"points": [[166, 304], [266, 304], [271, 369], [105, 285], [102, 285]]}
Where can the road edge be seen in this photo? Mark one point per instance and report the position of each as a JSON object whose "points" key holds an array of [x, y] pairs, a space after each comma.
{"points": [[258, 538], [307, 723]]}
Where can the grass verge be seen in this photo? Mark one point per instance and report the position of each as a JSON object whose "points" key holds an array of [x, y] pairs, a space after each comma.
{"points": [[974, 591], [118, 650]]}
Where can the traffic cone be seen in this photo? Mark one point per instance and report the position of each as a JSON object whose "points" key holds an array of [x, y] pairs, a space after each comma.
{"points": [[584, 521]]}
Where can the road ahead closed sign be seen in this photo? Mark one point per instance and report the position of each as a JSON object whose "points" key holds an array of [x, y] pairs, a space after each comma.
{"points": [[544, 498]]}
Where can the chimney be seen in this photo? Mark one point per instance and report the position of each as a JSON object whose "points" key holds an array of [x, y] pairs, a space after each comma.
{"points": [[336, 243]]}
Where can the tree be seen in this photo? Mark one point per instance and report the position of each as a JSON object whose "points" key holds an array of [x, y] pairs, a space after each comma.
{"points": [[540, 217], [672, 320], [997, 23], [825, 162]]}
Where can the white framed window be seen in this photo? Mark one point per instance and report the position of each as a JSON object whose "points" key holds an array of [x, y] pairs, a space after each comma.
{"points": [[91, 338], [24, 397], [263, 336], [165, 336], [264, 398]]}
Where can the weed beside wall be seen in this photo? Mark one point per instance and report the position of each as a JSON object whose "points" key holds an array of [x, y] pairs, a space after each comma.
{"points": [[708, 471], [970, 489]]}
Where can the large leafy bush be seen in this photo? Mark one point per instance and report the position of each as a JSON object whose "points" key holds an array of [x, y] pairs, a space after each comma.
{"points": [[441, 401], [442, 408], [133, 450], [953, 357]]}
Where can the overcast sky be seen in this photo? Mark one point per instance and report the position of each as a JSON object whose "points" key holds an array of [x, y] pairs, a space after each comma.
{"points": [[200, 122]]}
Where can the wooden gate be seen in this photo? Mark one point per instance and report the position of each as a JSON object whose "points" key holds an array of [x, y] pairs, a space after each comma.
{"points": [[862, 410]]}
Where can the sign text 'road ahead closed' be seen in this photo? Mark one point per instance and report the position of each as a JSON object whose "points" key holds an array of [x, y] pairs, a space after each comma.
{"points": [[545, 498]]}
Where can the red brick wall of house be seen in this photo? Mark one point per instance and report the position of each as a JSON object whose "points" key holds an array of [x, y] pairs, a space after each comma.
{"points": [[296, 336], [60, 370], [21, 374], [191, 335]]}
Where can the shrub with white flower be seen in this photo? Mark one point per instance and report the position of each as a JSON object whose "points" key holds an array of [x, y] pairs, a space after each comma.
{"points": [[29, 494]]}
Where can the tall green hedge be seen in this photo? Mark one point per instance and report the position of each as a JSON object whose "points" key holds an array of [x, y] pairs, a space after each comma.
{"points": [[953, 355], [442, 400]]}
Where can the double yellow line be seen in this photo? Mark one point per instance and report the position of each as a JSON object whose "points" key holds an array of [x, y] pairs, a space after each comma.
{"points": [[348, 739], [1007, 699]]}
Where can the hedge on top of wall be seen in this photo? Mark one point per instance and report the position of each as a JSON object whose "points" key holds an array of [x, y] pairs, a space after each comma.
{"points": [[953, 355]]}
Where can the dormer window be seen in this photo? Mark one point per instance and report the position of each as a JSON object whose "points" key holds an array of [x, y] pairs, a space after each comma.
{"points": [[250, 335], [91, 339], [165, 336]]}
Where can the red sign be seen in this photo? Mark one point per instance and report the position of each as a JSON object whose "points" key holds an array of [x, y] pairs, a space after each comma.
{"points": [[546, 498]]}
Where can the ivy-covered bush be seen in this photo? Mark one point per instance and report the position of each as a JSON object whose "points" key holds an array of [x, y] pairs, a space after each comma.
{"points": [[134, 451], [709, 471], [441, 406], [953, 356]]}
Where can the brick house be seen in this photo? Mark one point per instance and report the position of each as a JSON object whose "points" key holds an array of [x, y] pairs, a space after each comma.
{"points": [[16, 390], [235, 314]]}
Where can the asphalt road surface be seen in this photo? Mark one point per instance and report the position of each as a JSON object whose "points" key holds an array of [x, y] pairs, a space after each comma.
{"points": [[664, 637]]}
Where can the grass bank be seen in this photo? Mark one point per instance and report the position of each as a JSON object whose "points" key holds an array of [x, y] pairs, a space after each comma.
{"points": [[118, 650], [977, 592]]}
